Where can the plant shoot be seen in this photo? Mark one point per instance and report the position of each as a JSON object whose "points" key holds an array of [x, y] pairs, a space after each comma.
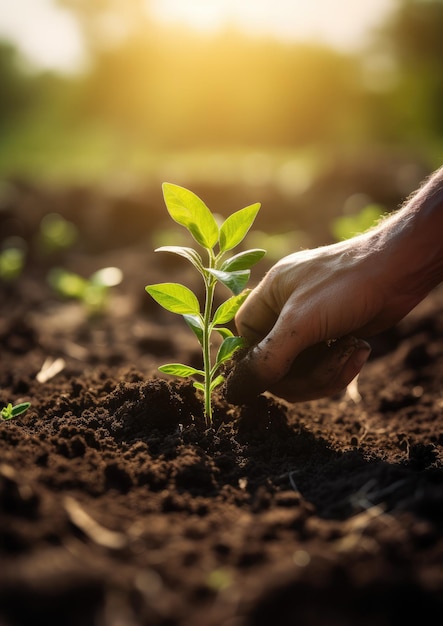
{"points": [[92, 291], [215, 266], [9, 411]]}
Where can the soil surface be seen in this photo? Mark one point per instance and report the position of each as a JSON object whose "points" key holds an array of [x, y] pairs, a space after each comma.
{"points": [[118, 507]]}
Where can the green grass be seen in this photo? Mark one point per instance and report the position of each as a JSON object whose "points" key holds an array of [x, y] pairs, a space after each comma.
{"points": [[49, 151]]}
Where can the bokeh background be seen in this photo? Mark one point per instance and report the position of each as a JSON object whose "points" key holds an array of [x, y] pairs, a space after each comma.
{"points": [[326, 112]]}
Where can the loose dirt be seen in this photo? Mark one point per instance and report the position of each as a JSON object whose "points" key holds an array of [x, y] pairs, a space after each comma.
{"points": [[119, 508]]}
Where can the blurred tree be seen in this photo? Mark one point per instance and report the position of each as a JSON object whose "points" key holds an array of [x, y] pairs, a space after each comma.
{"points": [[418, 45], [16, 87], [178, 88], [152, 87], [416, 32], [175, 88], [412, 38]]}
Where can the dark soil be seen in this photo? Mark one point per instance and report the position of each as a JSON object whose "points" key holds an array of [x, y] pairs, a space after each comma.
{"points": [[119, 508]]}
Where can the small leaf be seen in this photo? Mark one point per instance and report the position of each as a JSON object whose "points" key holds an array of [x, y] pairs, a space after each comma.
{"points": [[6, 412], [175, 298], [228, 347], [18, 409], [199, 386], [67, 284], [243, 260], [224, 332], [190, 211], [216, 382], [188, 253], [235, 281], [196, 325], [235, 227], [227, 310], [178, 369]]}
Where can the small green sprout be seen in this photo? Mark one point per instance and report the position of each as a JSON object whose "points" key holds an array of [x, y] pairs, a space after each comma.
{"points": [[92, 291], [56, 233], [190, 211], [12, 259], [9, 411]]}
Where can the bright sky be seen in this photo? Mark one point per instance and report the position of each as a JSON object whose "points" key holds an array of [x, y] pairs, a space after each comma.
{"points": [[341, 23], [46, 35], [49, 36]]}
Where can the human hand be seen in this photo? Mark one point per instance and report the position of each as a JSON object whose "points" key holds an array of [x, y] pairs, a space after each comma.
{"points": [[307, 317]]}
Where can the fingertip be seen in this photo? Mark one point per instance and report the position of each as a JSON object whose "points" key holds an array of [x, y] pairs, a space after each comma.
{"points": [[260, 368], [268, 361], [242, 384], [249, 333], [323, 370], [355, 363]]}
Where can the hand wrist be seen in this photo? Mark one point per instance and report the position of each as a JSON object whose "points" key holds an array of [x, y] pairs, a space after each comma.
{"points": [[409, 243]]}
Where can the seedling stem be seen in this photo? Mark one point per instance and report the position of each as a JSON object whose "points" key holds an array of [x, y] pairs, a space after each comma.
{"points": [[190, 211]]}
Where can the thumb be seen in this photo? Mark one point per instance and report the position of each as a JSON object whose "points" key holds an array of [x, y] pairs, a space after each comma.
{"points": [[268, 361], [256, 316], [294, 330]]}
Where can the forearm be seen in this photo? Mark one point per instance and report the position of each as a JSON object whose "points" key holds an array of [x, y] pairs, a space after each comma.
{"points": [[358, 287], [410, 241]]}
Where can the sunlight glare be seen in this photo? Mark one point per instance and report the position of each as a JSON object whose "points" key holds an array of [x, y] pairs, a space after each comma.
{"points": [[47, 34], [341, 23]]}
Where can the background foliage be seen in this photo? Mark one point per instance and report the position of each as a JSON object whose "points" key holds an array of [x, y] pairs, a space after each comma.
{"points": [[151, 89]]}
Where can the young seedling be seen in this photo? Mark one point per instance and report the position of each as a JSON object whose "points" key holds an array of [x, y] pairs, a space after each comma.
{"points": [[92, 291], [9, 411], [56, 234], [12, 259], [191, 212]]}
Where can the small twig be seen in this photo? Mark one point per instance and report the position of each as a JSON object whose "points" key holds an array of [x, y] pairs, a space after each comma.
{"points": [[92, 529], [50, 368], [352, 391], [387, 490], [292, 481]]}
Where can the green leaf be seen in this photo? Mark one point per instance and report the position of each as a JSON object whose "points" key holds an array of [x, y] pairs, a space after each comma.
{"points": [[67, 284], [224, 332], [216, 382], [178, 369], [235, 227], [9, 411], [6, 412], [188, 253], [227, 310], [199, 386], [190, 211], [243, 260], [175, 298], [235, 281], [18, 409], [196, 325], [228, 347]]}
